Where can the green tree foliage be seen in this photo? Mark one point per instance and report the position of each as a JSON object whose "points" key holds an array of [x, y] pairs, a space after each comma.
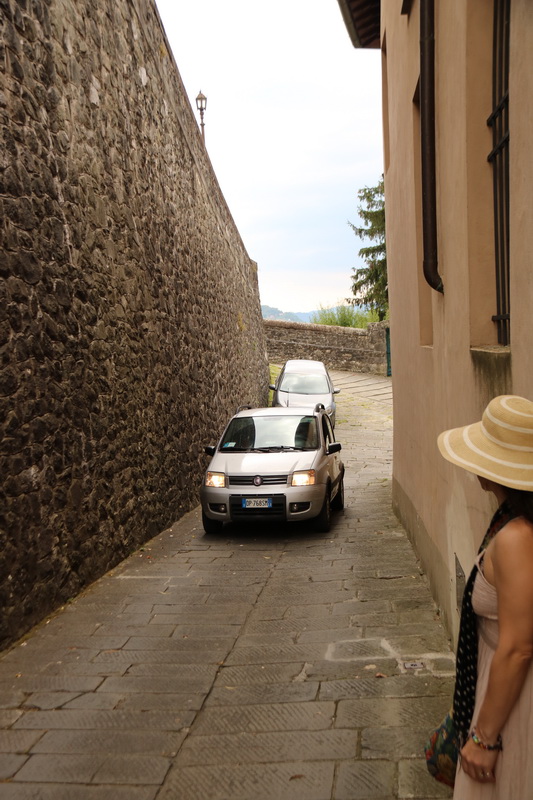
{"points": [[345, 316], [369, 283]]}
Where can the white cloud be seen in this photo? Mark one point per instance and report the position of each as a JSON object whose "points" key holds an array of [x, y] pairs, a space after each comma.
{"points": [[293, 130]]}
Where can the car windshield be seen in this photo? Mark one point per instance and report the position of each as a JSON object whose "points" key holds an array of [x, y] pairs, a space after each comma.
{"points": [[304, 384], [268, 433]]}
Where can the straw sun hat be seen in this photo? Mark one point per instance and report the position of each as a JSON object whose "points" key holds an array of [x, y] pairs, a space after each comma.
{"points": [[500, 447]]}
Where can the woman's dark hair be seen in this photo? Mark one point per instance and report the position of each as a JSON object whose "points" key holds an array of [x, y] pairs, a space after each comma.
{"points": [[521, 503]]}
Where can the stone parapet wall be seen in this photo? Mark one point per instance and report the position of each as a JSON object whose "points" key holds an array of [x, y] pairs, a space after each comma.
{"points": [[351, 349], [130, 322]]}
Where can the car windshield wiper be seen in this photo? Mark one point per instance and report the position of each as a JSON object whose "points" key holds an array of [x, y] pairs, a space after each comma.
{"points": [[274, 448]]}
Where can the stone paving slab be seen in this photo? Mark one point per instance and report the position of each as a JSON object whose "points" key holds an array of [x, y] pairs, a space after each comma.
{"points": [[391, 743], [97, 741], [189, 675], [415, 782], [183, 705], [156, 685], [394, 686], [136, 770], [350, 668], [33, 682], [272, 747], [262, 663], [290, 781], [102, 701], [41, 791], [270, 717], [366, 780], [390, 712], [68, 670], [232, 614], [294, 625], [11, 764], [253, 674], [12, 741], [257, 639], [49, 700], [129, 658], [276, 654], [259, 694], [360, 608], [73, 720]]}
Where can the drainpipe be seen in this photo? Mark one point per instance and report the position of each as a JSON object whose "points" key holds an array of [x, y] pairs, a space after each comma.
{"points": [[427, 120]]}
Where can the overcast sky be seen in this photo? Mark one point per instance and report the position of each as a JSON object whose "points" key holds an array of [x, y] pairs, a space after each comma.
{"points": [[293, 130]]}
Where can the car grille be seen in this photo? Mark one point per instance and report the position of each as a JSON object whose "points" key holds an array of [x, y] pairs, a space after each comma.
{"points": [[238, 512], [267, 480]]}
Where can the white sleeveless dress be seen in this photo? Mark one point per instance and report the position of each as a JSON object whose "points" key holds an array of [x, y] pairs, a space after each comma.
{"points": [[514, 767]]}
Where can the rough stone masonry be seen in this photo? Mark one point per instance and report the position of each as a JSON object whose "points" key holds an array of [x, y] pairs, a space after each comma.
{"points": [[348, 349], [130, 324]]}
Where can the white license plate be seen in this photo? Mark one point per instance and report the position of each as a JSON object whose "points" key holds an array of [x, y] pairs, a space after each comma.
{"points": [[257, 502]]}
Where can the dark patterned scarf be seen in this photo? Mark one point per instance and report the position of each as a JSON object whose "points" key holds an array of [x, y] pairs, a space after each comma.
{"points": [[467, 646]]}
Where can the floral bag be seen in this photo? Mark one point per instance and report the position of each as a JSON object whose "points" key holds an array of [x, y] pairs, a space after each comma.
{"points": [[442, 751]]}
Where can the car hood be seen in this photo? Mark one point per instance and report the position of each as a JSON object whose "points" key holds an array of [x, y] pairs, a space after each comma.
{"points": [[292, 399], [262, 463]]}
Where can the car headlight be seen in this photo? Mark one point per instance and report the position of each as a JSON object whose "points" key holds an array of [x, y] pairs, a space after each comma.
{"points": [[305, 477], [215, 479]]}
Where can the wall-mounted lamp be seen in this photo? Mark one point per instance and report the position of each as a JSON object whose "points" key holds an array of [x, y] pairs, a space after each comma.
{"points": [[201, 103]]}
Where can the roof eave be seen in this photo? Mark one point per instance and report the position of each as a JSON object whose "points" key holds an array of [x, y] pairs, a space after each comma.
{"points": [[362, 35]]}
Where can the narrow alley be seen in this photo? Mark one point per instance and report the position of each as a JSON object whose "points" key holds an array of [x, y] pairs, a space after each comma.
{"points": [[266, 664]]}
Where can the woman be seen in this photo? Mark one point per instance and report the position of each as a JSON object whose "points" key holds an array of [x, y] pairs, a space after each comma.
{"points": [[493, 699]]}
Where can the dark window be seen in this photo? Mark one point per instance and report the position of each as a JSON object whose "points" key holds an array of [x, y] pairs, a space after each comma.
{"points": [[499, 158]]}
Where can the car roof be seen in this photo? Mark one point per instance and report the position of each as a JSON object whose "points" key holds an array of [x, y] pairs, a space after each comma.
{"points": [[304, 365], [279, 411]]}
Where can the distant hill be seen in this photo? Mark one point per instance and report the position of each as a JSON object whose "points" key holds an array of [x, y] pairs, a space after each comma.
{"points": [[269, 312]]}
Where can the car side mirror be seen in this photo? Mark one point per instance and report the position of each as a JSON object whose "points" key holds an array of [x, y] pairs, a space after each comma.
{"points": [[272, 386], [334, 447], [336, 391], [210, 450]]}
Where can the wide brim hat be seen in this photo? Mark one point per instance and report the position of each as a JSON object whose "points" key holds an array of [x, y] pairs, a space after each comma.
{"points": [[500, 447]]}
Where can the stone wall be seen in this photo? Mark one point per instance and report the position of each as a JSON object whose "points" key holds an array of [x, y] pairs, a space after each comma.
{"points": [[351, 349], [130, 323]]}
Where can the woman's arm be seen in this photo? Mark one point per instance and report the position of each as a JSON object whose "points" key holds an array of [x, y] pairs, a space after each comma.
{"points": [[509, 567]]}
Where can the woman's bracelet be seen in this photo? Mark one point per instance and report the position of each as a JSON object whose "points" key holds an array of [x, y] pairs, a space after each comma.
{"points": [[475, 738]]}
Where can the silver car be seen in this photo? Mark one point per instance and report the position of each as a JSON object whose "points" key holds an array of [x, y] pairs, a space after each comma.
{"points": [[278, 464], [305, 383]]}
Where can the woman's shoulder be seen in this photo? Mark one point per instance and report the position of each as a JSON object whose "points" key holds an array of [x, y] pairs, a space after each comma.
{"points": [[515, 537], [518, 526]]}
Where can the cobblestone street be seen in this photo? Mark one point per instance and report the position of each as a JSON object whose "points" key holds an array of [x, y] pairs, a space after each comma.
{"points": [[270, 663]]}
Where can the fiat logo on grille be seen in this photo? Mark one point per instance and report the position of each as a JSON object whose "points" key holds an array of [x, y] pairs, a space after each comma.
{"points": [[258, 480]]}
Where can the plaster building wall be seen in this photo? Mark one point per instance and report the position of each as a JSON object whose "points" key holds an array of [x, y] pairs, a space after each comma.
{"points": [[446, 357], [130, 323], [350, 349]]}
